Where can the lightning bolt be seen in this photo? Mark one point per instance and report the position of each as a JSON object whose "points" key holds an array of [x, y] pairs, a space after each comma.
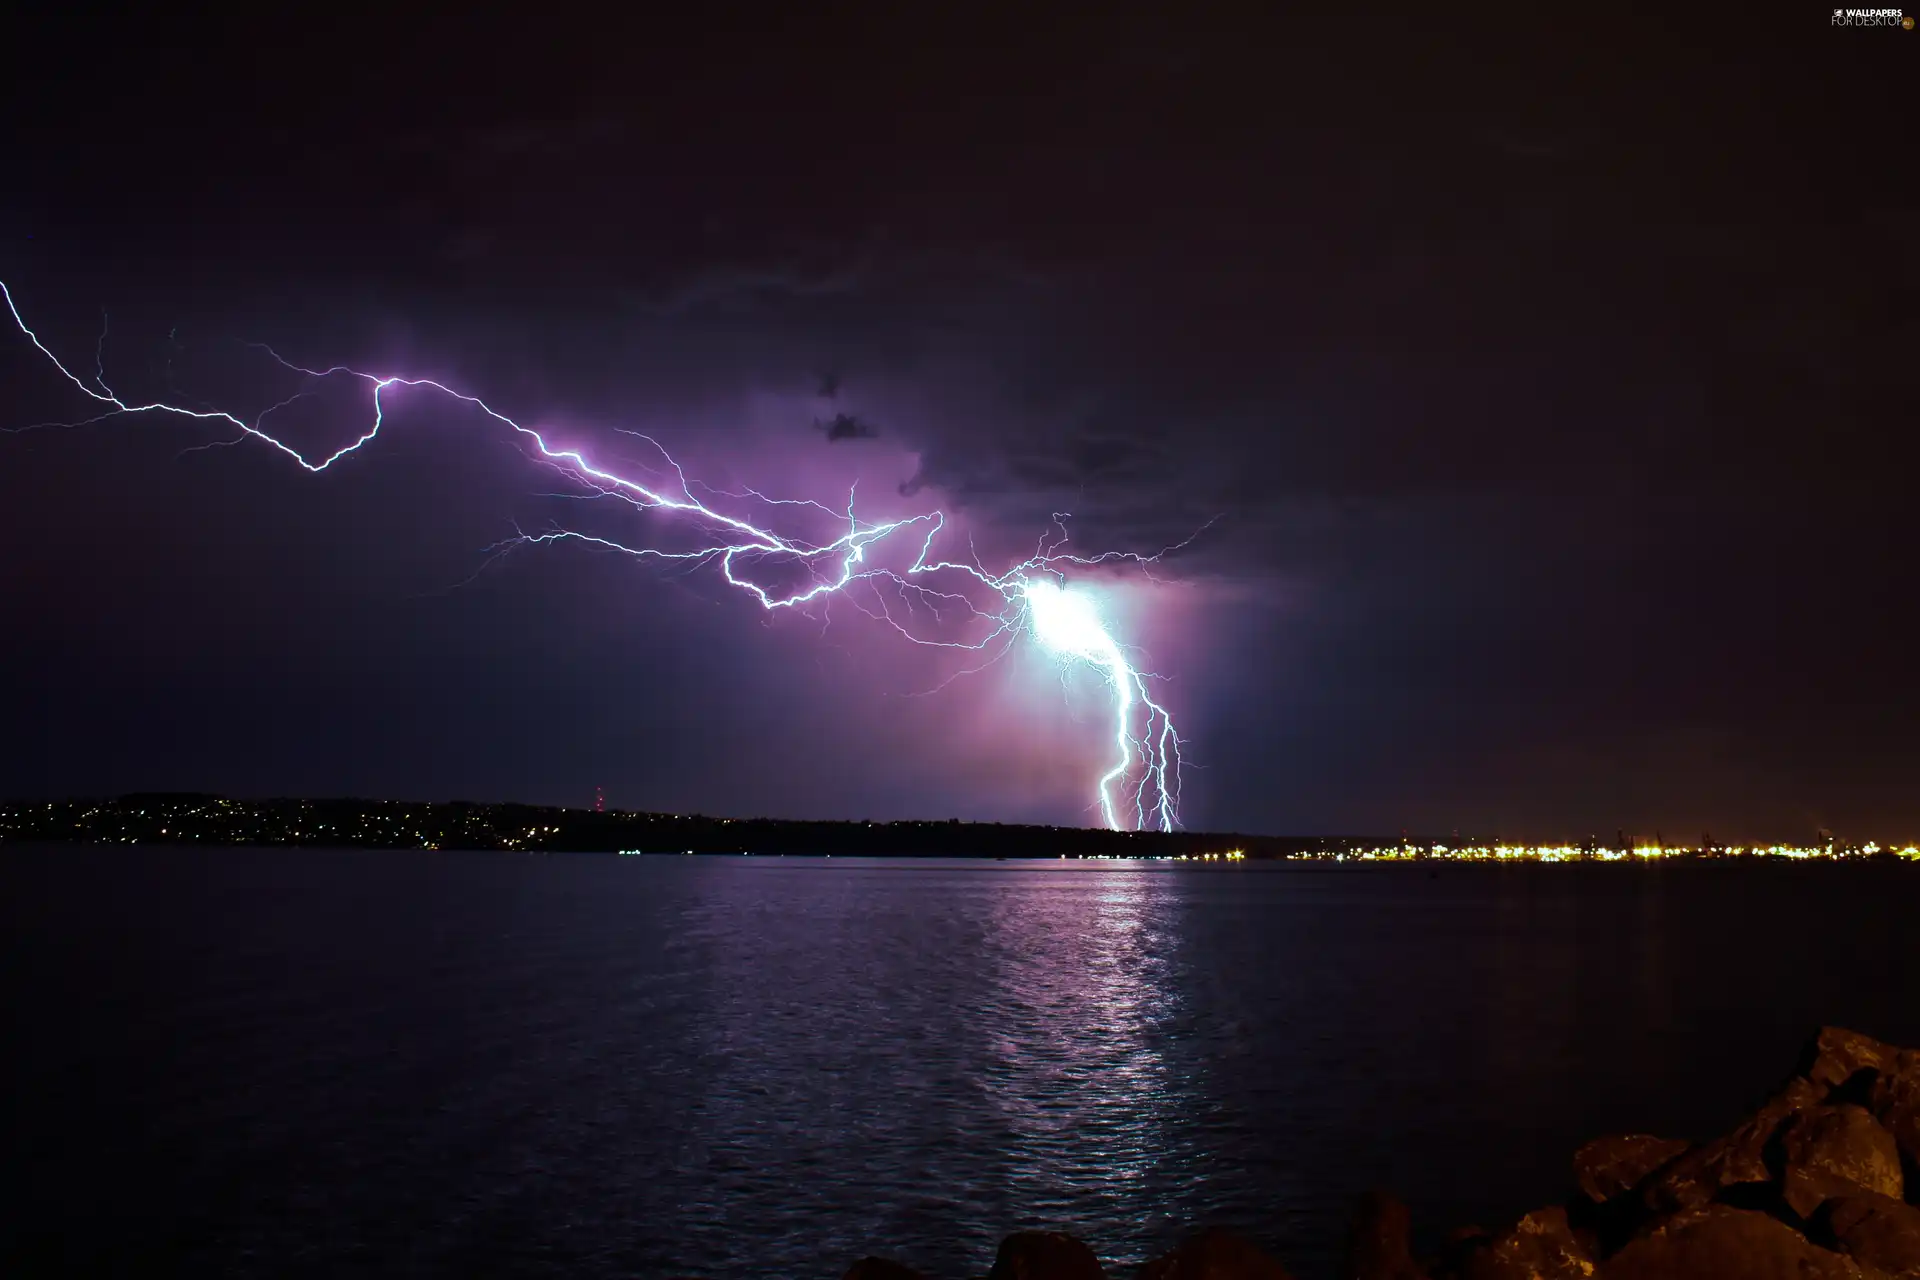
{"points": [[1033, 599]]}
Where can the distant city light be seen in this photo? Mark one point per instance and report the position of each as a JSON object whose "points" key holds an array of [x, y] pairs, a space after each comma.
{"points": [[526, 829]]}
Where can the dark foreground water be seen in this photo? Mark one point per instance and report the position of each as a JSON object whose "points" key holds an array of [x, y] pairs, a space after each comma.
{"points": [[293, 1063]]}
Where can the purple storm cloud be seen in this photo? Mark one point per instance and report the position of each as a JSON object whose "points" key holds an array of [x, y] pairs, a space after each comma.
{"points": [[905, 573]]}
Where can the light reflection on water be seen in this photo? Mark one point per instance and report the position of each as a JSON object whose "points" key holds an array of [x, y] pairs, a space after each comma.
{"points": [[988, 1046], [1075, 1030]]}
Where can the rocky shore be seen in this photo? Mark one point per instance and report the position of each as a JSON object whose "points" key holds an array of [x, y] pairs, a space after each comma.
{"points": [[1820, 1182]]}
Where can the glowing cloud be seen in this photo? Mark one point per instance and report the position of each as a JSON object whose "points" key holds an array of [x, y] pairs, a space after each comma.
{"points": [[944, 603]]}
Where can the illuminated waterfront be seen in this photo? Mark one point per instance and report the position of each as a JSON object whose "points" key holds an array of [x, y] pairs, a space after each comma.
{"points": [[1542, 853], [1642, 853], [174, 819]]}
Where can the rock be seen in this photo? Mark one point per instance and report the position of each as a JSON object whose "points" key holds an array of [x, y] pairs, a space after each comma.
{"points": [[1378, 1244], [1736, 1159], [1044, 1255], [1837, 1055], [1824, 1149], [1541, 1246], [1877, 1231], [1895, 1100], [1214, 1254], [1607, 1167], [1719, 1243], [1805, 1190], [881, 1269]]}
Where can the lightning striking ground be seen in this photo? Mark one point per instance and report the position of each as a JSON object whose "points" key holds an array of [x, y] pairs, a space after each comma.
{"points": [[1034, 598]]}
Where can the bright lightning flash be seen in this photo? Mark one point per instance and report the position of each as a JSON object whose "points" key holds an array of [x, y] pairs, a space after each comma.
{"points": [[1066, 623], [920, 600]]}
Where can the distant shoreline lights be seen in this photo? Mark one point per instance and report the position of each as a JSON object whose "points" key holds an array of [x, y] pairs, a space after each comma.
{"points": [[1577, 853]]}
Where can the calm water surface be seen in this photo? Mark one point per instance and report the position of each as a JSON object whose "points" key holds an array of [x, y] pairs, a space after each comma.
{"points": [[294, 1063]]}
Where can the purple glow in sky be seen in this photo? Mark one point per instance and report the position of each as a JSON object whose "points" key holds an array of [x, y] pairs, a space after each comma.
{"points": [[798, 553]]}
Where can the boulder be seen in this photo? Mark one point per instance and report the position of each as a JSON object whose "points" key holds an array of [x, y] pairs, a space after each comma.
{"points": [[1836, 1055], [1378, 1243], [1214, 1254], [881, 1269], [1876, 1231], [1825, 1150], [1719, 1243], [1541, 1246], [1044, 1255], [1611, 1166], [1895, 1100], [1804, 1191], [1737, 1159]]}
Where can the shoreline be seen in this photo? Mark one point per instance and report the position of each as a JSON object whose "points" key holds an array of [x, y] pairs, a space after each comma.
{"points": [[193, 819]]}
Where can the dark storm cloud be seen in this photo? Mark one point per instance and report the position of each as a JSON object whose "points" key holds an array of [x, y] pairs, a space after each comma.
{"points": [[846, 426]]}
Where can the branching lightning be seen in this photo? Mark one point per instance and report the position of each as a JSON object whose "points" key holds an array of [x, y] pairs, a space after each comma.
{"points": [[1033, 599]]}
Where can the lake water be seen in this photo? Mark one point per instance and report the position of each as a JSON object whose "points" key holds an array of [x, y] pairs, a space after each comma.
{"points": [[300, 1063]]}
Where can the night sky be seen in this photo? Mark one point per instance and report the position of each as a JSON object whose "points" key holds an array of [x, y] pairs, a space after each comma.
{"points": [[1551, 382]]}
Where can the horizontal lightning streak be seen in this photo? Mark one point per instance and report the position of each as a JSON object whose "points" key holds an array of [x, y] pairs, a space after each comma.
{"points": [[1032, 596]]}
